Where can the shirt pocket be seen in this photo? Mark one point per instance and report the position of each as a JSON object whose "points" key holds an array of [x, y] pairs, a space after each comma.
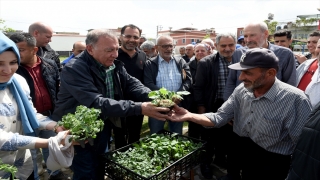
{"points": [[269, 128]]}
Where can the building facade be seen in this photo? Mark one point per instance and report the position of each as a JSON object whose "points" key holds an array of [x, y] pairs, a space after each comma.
{"points": [[188, 35]]}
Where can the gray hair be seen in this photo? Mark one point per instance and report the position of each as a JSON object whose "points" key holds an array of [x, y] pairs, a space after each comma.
{"points": [[262, 25], [163, 37], [94, 35], [182, 48], [148, 45], [144, 38], [219, 36], [206, 46], [190, 45], [209, 41], [18, 37]]}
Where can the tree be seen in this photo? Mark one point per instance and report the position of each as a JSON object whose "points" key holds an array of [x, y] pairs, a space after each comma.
{"points": [[303, 21], [272, 25], [4, 28], [207, 36]]}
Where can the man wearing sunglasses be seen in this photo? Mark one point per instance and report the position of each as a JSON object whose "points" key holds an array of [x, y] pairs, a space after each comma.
{"points": [[166, 71], [134, 60]]}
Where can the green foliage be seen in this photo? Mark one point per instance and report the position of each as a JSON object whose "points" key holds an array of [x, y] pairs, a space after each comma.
{"points": [[165, 98], [5, 28], [83, 124], [271, 26], [302, 21], [8, 168], [207, 36], [155, 153]]}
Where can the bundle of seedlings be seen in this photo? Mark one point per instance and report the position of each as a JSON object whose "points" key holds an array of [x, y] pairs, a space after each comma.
{"points": [[165, 98], [84, 124]]}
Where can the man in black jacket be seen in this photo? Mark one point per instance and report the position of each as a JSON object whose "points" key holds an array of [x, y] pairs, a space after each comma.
{"points": [[306, 156], [168, 72], [43, 79], [43, 34], [134, 60], [96, 80], [210, 80]]}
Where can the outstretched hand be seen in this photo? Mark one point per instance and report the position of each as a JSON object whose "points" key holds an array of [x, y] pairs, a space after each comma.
{"points": [[151, 110], [179, 114]]}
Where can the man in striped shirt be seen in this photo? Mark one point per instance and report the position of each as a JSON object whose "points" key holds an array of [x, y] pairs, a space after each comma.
{"points": [[268, 116]]}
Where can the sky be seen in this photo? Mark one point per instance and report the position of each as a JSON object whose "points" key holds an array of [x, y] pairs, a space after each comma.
{"points": [[81, 15]]}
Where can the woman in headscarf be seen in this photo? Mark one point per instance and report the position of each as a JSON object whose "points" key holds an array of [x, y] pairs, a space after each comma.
{"points": [[18, 117]]}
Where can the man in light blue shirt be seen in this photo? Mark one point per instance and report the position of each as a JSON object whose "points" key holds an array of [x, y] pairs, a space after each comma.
{"points": [[166, 71]]}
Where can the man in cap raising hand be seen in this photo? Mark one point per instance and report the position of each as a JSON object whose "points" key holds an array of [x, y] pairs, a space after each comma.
{"points": [[268, 116]]}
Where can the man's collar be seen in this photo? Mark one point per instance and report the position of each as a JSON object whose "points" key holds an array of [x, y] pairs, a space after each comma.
{"points": [[270, 94], [101, 66], [273, 91], [161, 59]]}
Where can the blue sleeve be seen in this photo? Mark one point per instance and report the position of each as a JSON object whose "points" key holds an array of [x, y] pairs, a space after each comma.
{"points": [[13, 141], [231, 84], [289, 73]]}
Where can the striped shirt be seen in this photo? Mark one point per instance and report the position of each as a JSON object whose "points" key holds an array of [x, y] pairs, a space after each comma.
{"points": [[273, 121], [169, 75]]}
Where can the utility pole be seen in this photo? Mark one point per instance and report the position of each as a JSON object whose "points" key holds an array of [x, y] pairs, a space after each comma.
{"points": [[158, 27]]}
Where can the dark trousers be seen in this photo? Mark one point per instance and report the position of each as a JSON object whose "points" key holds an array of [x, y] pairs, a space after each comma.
{"points": [[217, 138], [234, 157], [134, 124], [258, 163], [217, 142], [129, 132], [194, 130], [31, 177]]}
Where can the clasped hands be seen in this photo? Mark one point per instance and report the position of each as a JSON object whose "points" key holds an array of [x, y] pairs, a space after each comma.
{"points": [[177, 113]]}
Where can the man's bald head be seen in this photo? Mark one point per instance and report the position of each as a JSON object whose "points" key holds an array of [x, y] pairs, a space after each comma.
{"points": [[42, 32], [78, 47]]}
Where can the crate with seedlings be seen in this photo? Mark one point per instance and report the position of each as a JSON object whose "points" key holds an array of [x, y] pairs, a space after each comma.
{"points": [[162, 156], [84, 124]]}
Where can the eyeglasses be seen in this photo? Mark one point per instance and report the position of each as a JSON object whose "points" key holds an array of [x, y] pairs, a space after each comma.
{"points": [[129, 37], [166, 46]]}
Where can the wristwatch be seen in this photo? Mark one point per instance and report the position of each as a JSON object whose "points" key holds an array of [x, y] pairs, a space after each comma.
{"points": [[55, 128]]}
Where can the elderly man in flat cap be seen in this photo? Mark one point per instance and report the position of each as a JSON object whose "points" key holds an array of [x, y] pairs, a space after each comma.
{"points": [[268, 117]]}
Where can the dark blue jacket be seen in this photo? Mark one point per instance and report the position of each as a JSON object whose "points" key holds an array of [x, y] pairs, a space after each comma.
{"points": [[81, 84]]}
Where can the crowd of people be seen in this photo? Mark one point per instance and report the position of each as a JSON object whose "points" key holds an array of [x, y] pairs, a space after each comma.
{"points": [[252, 101]]}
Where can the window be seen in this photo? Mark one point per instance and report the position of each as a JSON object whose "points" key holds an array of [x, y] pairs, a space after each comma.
{"points": [[183, 41], [241, 32]]}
